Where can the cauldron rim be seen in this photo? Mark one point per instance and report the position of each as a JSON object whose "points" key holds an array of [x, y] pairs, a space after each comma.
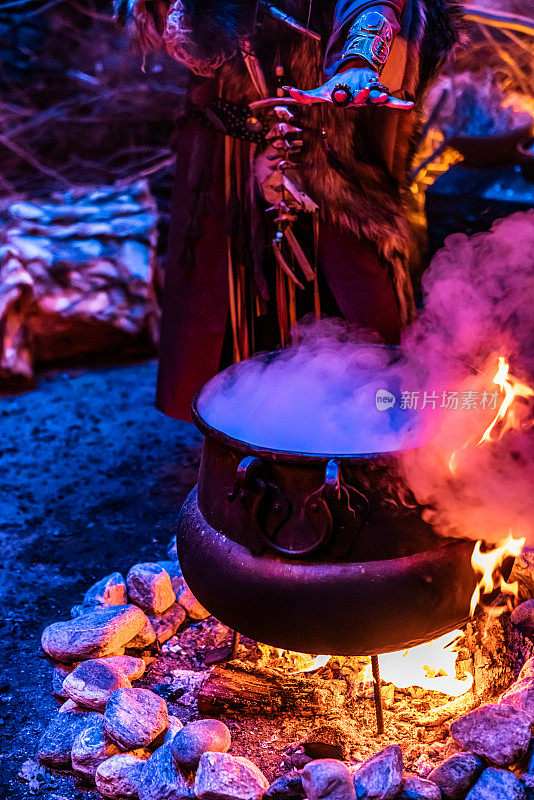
{"points": [[290, 456]]}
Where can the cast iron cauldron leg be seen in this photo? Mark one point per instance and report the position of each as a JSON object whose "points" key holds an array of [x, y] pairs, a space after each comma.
{"points": [[378, 695]]}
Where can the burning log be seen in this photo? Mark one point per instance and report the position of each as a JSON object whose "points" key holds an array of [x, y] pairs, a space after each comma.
{"points": [[240, 687]]}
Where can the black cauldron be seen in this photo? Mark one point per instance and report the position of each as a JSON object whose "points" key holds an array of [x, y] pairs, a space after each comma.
{"points": [[317, 553]]}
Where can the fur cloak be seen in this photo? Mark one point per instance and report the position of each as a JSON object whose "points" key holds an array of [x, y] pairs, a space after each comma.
{"points": [[362, 192]]}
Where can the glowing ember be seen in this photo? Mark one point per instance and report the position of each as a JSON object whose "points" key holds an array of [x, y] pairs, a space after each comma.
{"points": [[488, 564], [432, 666], [508, 414]]}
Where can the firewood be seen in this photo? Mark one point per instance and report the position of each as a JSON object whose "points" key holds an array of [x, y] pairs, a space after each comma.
{"points": [[239, 687]]}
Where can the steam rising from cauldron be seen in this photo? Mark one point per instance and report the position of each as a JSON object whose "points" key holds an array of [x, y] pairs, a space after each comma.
{"points": [[321, 395]]}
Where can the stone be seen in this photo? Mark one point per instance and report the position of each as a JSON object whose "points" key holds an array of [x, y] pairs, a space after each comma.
{"points": [[175, 574], [497, 784], [414, 788], [523, 617], [192, 607], [423, 766], [56, 742], [457, 775], [81, 609], [110, 590], [287, 787], [329, 779], [527, 670], [93, 682], [497, 733], [70, 705], [161, 780], [168, 623], [145, 637], [197, 738], [59, 673], [379, 778], [527, 775], [520, 695], [175, 725], [135, 717], [91, 747], [119, 776], [221, 776], [326, 741], [149, 586], [100, 633], [130, 666]]}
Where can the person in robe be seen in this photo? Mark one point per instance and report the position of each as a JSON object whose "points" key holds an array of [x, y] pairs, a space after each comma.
{"points": [[292, 161]]}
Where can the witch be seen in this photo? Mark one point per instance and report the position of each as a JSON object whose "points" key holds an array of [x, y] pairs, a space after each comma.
{"points": [[292, 159]]}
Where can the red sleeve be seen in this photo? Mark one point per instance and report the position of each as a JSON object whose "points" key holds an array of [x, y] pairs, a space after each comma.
{"points": [[346, 11]]}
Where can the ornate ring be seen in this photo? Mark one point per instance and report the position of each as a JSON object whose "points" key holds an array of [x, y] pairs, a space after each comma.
{"points": [[342, 95]]}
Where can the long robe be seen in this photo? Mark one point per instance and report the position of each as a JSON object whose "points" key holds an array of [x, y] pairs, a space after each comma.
{"points": [[364, 239]]}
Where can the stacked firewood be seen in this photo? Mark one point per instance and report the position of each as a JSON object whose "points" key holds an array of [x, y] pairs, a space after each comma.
{"points": [[76, 277]]}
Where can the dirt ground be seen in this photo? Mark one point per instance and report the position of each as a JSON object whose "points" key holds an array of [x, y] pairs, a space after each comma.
{"points": [[91, 480]]}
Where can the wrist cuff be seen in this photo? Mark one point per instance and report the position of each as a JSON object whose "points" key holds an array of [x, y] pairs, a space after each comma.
{"points": [[369, 38]]}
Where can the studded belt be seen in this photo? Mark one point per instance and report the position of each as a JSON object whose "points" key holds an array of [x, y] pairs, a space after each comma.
{"points": [[232, 119]]}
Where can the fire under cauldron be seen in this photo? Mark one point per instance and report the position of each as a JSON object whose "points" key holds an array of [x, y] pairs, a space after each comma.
{"points": [[316, 553]]}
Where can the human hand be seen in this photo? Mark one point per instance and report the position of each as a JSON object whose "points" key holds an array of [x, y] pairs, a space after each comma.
{"points": [[352, 88]]}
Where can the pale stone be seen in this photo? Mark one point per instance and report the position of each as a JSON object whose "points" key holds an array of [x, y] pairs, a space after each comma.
{"points": [[173, 569], [100, 633], [70, 705], [110, 590], [93, 682], [527, 670], [191, 605], [135, 717], [221, 776], [149, 586], [414, 788], [55, 745], [91, 747], [144, 638], [497, 784], [167, 624], [286, 787], [175, 725], [130, 666], [161, 780], [327, 779], [197, 738], [520, 695], [59, 674], [379, 778], [457, 774], [119, 776], [498, 733], [523, 617]]}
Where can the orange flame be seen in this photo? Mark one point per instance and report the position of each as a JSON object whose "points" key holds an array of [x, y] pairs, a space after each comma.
{"points": [[432, 666], [507, 414], [488, 565], [312, 664]]}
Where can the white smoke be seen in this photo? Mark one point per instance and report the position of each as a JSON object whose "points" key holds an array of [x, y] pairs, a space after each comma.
{"points": [[321, 395]]}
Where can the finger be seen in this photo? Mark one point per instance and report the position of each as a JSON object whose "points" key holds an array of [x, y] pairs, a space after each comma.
{"points": [[378, 98], [361, 97], [402, 105], [307, 98]]}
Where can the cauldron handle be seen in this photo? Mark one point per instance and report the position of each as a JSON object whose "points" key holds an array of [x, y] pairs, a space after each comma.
{"points": [[269, 509]]}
